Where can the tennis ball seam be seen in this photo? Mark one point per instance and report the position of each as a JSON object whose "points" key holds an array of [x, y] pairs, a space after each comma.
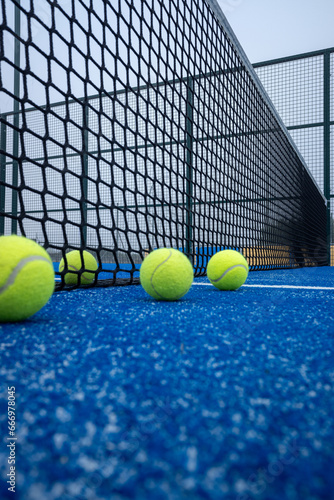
{"points": [[155, 270], [227, 271], [13, 275], [69, 266]]}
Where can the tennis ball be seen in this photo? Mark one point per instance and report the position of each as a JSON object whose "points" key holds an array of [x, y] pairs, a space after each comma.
{"points": [[27, 278], [227, 270], [77, 261], [166, 274]]}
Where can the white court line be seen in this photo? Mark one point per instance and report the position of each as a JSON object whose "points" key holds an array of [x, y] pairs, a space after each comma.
{"points": [[269, 286], [280, 286]]}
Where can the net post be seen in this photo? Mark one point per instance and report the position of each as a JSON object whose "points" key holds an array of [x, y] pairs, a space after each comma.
{"points": [[189, 167], [16, 117], [2, 173], [327, 159], [84, 177]]}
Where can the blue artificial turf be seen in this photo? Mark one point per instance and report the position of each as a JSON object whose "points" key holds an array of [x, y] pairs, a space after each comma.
{"points": [[221, 395]]}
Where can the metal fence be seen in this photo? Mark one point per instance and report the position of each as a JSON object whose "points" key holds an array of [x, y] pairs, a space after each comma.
{"points": [[301, 88]]}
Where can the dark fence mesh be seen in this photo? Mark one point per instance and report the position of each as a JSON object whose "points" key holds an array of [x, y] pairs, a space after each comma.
{"points": [[302, 90], [128, 126]]}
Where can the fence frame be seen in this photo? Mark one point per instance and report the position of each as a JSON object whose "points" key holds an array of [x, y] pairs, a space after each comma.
{"points": [[328, 155]]}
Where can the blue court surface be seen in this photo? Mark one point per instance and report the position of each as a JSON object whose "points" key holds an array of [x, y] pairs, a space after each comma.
{"points": [[221, 395]]}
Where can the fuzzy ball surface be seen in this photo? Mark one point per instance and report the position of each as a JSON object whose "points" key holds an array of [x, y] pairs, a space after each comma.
{"points": [[166, 274], [82, 263], [227, 270], [27, 278]]}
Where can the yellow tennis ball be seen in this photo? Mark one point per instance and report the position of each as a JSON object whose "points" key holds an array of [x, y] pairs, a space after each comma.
{"points": [[76, 262], [27, 278], [227, 270], [166, 274]]}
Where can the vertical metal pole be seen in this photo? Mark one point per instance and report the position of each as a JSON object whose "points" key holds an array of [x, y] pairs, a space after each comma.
{"points": [[327, 139], [84, 176], [16, 117], [189, 172], [2, 174]]}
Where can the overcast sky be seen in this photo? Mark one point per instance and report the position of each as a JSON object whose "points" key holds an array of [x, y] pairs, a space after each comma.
{"points": [[268, 29]]}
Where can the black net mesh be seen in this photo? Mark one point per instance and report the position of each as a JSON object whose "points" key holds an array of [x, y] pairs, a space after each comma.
{"points": [[127, 126]]}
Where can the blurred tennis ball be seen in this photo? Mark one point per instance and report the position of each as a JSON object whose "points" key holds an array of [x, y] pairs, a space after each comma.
{"points": [[166, 274], [83, 263], [227, 270], [27, 278]]}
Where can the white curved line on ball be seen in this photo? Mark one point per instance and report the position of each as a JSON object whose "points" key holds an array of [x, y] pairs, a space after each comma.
{"points": [[161, 264], [227, 271], [69, 266], [18, 268]]}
